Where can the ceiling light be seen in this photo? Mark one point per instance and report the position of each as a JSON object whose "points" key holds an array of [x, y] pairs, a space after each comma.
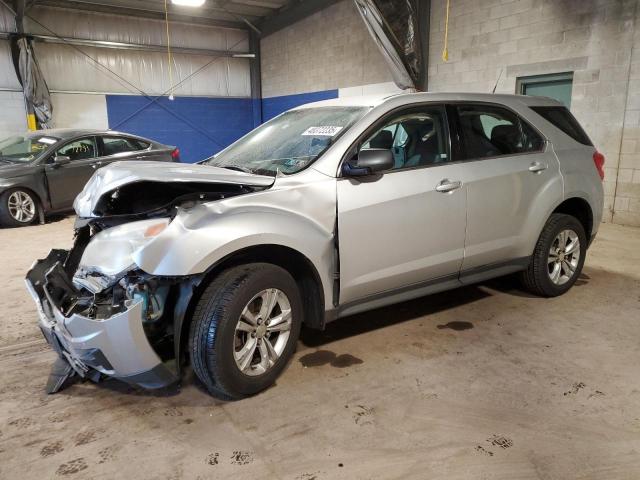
{"points": [[188, 3]]}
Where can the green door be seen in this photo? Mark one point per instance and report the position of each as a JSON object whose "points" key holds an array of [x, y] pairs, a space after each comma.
{"points": [[557, 86]]}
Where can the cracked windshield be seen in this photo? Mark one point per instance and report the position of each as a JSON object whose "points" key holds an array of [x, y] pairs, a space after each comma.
{"points": [[289, 142]]}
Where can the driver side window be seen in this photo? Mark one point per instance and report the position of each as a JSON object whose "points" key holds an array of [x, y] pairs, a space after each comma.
{"points": [[81, 149], [418, 138]]}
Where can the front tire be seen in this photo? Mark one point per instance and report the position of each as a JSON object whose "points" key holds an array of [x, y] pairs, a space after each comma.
{"points": [[18, 208], [558, 258], [244, 329]]}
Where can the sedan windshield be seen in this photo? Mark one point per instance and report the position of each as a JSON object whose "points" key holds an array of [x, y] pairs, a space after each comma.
{"points": [[289, 142], [24, 149]]}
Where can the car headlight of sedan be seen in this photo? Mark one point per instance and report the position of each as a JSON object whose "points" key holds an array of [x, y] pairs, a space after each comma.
{"points": [[109, 254]]}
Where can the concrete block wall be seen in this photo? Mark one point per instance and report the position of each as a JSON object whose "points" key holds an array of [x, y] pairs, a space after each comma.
{"points": [[325, 51], [597, 40], [627, 196]]}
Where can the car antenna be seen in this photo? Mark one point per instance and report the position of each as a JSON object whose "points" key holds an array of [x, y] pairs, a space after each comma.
{"points": [[498, 80]]}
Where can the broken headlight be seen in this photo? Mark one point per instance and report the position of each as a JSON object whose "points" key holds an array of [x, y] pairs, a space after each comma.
{"points": [[109, 254]]}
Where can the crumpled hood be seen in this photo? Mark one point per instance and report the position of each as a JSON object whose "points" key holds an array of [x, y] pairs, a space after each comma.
{"points": [[118, 174]]}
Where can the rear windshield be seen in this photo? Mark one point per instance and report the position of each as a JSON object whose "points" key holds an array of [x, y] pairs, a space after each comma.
{"points": [[562, 118]]}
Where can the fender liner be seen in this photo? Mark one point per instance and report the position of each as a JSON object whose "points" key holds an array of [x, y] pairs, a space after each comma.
{"points": [[187, 290]]}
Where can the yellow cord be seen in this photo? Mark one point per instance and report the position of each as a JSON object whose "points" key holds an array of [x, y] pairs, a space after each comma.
{"points": [[445, 52], [169, 58]]}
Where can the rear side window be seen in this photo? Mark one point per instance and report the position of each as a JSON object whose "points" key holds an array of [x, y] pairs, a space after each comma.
{"points": [[490, 131], [562, 118], [113, 145]]}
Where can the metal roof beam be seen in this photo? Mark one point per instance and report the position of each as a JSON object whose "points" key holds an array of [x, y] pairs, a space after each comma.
{"points": [[126, 9], [82, 42], [211, 9], [21, 8]]}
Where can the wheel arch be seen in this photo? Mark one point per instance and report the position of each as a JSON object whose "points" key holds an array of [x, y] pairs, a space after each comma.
{"points": [[579, 208], [28, 189], [297, 264]]}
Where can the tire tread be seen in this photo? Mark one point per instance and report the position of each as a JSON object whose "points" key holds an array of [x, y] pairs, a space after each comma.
{"points": [[211, 311]]}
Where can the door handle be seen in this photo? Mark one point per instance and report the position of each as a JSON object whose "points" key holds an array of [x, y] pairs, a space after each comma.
{"points": [[536, 167], [447, 185], [96, 165]]}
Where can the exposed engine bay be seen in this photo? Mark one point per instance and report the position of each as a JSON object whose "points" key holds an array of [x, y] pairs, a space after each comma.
{"points": [[148, 198]]}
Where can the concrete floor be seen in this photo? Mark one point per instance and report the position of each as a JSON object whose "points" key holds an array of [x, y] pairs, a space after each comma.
{"points": [[482, 382]]}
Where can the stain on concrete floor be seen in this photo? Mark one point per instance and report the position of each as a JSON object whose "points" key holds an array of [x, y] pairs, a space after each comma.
{"points": [[457, 326], [325, 357]]}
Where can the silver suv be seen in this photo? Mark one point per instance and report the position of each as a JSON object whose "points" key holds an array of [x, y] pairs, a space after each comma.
{"points": [[327, 210]]}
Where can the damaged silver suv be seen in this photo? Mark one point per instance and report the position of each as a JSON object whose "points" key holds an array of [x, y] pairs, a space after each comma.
{"points": [[327, 210]]}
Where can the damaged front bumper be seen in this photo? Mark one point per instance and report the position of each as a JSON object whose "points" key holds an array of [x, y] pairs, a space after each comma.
{"points": [[115, 346]]}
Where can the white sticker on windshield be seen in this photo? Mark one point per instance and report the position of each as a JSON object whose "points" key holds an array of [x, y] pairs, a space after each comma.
{"points": [[326, 131], [47, 140]]}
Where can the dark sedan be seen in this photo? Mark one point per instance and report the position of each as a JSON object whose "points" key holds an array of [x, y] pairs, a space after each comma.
{"points": [[43, 171]]}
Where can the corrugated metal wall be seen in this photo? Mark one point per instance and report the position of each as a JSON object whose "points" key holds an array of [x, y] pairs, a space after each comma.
{"points": [[66, 69], [75, 79], [12, 113]]}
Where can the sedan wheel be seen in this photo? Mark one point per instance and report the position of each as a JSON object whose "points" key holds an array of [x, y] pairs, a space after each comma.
{"points": [[21, 206], [18, 207]]}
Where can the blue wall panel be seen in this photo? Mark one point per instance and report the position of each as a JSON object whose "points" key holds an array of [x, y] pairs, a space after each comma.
{"points": [[212, 123], [273, 106]]}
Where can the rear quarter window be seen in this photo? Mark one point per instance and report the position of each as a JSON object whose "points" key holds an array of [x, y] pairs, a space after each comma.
{"points": [[561, 117], [114, 145]]}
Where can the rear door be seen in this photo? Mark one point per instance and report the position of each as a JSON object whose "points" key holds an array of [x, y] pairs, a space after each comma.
{"points": [[512, 178], [404, 227], [67, 180]]}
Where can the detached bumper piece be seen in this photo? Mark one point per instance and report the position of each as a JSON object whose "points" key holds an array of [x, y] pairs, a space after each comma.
{"points": [[87, 346]]}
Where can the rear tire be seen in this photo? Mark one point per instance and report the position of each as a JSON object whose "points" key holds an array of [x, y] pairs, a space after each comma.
{"points": [[18, 208], [244, 329], [558, 257]]}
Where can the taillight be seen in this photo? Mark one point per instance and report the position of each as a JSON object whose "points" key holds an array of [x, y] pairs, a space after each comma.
{"points": [[598, 160], [175, 154]]}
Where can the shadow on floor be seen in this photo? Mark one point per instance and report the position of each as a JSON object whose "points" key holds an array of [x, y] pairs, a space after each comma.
{"points": [[430, 304], [57, 217], [393, 314]]}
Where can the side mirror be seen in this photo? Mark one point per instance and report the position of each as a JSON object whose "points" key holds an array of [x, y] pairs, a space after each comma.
{"points": [[61, 160], [370, 160]]}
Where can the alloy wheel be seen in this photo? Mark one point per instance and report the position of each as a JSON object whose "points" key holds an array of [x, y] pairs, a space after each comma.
{"points": [[262, 332], [564, 256], [21, 207]]}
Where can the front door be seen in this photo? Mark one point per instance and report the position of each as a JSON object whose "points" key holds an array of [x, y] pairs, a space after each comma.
{"points": [[405, 227], [67, 180]]}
